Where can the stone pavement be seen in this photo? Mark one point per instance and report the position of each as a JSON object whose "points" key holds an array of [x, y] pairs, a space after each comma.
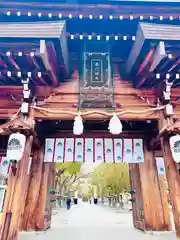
{"points": [[93, 222]]}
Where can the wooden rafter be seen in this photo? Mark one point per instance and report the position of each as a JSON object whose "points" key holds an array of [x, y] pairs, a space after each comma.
{"points": [[47, 64], [157, 55], [43, 60], [155, 61]]}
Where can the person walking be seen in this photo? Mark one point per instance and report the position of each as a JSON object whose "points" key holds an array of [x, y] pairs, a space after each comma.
{"points": [[68, 203]]}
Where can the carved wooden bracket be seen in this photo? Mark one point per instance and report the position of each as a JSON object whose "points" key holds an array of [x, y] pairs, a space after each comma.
{"points": [[18, 125], [174, 128]]}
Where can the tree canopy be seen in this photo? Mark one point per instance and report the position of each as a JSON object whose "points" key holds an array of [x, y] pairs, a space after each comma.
{"points": [[111, 179], [68, 178]]}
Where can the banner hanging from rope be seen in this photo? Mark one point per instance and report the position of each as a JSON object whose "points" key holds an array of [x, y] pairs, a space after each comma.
{"points": [[160, 166], [106, 150]]}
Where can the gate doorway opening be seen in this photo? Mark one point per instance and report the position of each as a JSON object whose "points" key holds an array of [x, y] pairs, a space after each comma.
{"points": [[150, 208]]}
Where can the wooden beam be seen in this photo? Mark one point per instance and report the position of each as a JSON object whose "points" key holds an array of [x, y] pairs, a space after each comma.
{"points": [[152, 62], [160, 54], [13, 62], [136, 50], [52, 52], [47, 64]]}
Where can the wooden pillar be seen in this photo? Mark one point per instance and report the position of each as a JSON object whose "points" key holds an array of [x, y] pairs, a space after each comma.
{"points": [[163, 192], [153, 207], [165, 204], [137, 205], [17, 184], [49, 204], [33, 190], [44, 206], [173, 179], [7, 205]]}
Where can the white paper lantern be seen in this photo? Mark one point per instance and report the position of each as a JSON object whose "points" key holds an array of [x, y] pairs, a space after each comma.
{"points": [[175, 147], [16, 146]]}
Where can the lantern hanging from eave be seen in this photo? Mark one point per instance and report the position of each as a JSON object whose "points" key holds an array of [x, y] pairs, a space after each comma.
{"points": [[16, 146], [175, 147]]}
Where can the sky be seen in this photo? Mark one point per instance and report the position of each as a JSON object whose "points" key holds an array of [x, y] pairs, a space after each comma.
{"points": [[88, 167]]}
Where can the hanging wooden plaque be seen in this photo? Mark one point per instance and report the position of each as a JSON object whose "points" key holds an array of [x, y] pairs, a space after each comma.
{"points": [[96, 82]]}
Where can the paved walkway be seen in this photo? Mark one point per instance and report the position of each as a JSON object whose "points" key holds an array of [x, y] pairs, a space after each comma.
{"points": [[93, 222]]}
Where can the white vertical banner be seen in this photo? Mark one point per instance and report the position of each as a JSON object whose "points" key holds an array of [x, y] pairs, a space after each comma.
{"points": [[99, 150], [138, 154], [69, 150], [118, 150], [160, 166], [109, 155], [89, 150], [127, 150], [4, 166], [79, 150], [59, 150], [49, 150]]}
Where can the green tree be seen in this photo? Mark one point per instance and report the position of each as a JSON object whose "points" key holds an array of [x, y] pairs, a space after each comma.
{"points": [[68, 176], [111, 179]]}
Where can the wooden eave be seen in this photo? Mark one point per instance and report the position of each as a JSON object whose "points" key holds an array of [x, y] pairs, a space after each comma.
{"points": [[150, 55], [42, 39]]}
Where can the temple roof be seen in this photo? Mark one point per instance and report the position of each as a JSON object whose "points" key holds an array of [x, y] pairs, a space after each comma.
{"points": [[46, 42]]}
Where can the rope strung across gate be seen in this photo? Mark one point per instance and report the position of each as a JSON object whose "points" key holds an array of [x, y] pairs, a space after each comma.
{"points": [[97, 112]]}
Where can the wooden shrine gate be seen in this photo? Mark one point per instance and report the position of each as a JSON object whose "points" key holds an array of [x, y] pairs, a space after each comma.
{"points": [[149, 199], [41, 88]]}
